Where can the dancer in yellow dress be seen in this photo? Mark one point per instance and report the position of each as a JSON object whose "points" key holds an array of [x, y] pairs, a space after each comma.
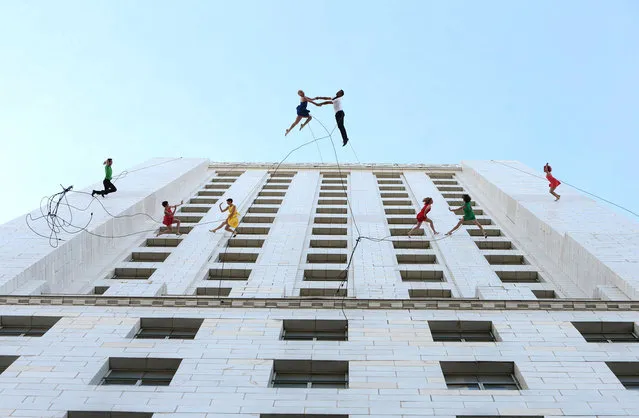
{"points": [[232, 221]]}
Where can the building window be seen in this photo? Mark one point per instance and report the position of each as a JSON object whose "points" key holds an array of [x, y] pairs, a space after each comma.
{"points": [[607, 332], [309, 374], [480, 375], [544, 294], [126, 273], [429, 293], [627, 372], [26, 326], [141, 371], [6, 361], [302, 416], [100, 290], [499, 416], [108, 414], [169, 328], [315, 330], [464, 331]]}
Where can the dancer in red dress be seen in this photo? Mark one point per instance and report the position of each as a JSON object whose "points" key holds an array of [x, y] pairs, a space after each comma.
{"points": [[553, 181], [422, 217], [169, 219]]}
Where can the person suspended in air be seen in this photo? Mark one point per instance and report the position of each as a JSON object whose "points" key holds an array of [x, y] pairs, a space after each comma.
{"points": [[422, 216], [232, 220], [554, 183], [169, 219], [108, 175], [469, 215], [339, 113], [302, 112]]}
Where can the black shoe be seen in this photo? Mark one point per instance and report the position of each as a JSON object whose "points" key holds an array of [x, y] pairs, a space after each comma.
{"points": [[93, 193], [345, 142]]}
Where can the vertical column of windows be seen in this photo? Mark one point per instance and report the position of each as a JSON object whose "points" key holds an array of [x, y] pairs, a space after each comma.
{"points": [[419, 267], [510, 264], [234, 262], [146, 258], [325, 268]]}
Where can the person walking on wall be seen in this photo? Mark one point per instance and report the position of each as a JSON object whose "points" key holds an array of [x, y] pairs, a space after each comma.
{"points": [[108, 175]]}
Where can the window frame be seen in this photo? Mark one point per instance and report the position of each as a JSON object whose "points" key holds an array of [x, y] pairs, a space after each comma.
{"points": [[135, 371], [461, 331], [607, 331], [480, 375], [26, 326], [314, 330], [316, 374]]}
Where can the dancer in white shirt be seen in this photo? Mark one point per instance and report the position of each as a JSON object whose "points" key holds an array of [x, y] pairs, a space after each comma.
{"points": [[339, 113]]}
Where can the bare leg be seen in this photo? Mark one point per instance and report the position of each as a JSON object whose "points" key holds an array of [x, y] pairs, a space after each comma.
{"points": [[177, 231], [461, 221], [297, 120], [416, 227], [432, 226], [481, 228], [168, 230], [308, 119], [229, 229], [552, 192], [221, 225]]}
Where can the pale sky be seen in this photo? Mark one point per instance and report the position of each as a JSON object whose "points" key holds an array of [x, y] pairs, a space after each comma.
{"points": [[425, 82]]}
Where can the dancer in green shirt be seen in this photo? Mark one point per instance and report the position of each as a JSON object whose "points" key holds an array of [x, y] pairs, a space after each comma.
{"points": [[469, 215], [108, 175]]}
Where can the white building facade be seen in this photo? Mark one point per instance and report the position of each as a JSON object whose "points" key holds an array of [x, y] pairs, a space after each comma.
{"points": [[321, 306]]}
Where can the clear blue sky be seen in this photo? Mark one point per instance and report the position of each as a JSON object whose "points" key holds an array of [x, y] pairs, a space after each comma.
{"points": [[425, 81]]}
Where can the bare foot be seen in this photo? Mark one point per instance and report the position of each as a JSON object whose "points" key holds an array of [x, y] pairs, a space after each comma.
{"points": [[558, 197], [287, 131], [449, 233], [436, 233], [303, 125]]}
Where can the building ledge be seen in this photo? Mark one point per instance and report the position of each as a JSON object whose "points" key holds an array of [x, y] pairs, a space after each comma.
{"points": [[323, 303]]}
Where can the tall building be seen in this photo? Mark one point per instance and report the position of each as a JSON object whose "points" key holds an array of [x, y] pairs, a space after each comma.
{"points": [[321, 305]]}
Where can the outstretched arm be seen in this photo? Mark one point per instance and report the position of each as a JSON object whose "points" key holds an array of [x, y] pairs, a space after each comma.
{"points": [[456, 209], [308, 99], [325, 103], [322, 98]]}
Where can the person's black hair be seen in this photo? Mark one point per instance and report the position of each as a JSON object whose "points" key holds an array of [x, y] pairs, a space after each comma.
{"points": [[110, 159], [165, 203], [338, 95], [466, 198], [229, 200]]}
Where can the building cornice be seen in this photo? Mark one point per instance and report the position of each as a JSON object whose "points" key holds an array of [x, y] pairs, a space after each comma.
{"points": [[331, 166], [321, 303]]}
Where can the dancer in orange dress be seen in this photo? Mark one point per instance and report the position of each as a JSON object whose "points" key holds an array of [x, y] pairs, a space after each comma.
{"points": [[554, 183]]}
